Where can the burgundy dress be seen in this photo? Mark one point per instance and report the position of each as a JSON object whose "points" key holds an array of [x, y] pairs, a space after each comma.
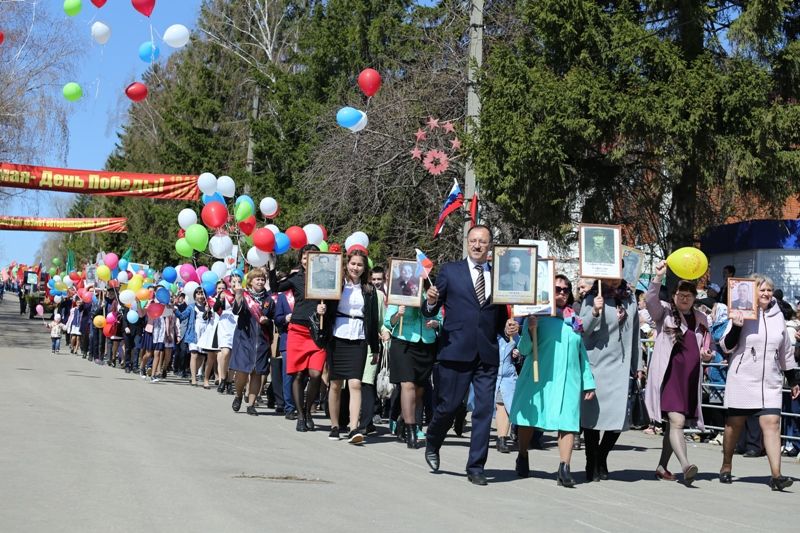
{"points": [[679, 389]]}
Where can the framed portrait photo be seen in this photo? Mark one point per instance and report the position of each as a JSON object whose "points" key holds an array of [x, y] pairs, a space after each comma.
{"points": [[514, 274], [405, 286], [600, 249], [633, 261], [742, 297], [545, 291], [324, 276]]}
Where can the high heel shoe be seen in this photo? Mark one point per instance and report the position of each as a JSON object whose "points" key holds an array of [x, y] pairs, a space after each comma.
{"points": [[221, 387], [401, 430], [411, 436], [663, 473], [781, 482], [523, 465], [725, 477], [564, 477]]}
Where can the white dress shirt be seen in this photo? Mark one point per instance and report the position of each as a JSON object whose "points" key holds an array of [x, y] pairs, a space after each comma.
{"points": [[487, 275], [352, 304]]}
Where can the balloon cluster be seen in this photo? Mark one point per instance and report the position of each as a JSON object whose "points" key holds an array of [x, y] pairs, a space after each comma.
{"points": [[176, 36], [353, 119]]}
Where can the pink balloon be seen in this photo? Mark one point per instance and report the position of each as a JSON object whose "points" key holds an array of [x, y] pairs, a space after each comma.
{"points": [[111, 260], [39, 310], [188, 273], [200, 271], [111, 318]]}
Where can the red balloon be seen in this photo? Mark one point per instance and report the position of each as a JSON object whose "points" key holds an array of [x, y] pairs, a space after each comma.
{"points": [[264, 239], [181, 233], [248, 225], [2, 37], [324, 232], [136, 91], [87, 297], [356, 247], [297, 237], [335, 248], [99, 3], [155, 310], [75, 277], [108, 329], [145, 7], [370, 81], [214, 215]]}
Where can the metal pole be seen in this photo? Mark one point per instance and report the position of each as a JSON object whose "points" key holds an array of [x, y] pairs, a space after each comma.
{"points": [[473, 103]]}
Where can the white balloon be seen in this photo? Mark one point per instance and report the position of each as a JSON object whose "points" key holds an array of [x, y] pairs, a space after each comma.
{"points": [[122, 277], [273, 228], [220, 246], [56, 278], [127, 297], [57, 299], [188, 291], [101, 32], [361, 124], [186, 218], [177, 36], [207, 182], [359, 237], [68, 281], [219, 269], [226, 186], [313, 234], [256, 257], [348, 242], [268, 207]]}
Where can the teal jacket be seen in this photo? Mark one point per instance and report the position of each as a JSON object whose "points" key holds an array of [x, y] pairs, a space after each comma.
{"points": [[414, 329]]}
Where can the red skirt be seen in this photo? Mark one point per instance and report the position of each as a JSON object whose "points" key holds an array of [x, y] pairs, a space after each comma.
{"points": [[302, 352]]}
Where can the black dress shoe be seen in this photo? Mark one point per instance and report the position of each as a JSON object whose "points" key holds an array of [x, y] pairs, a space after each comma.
{"points": [[502, 445], [237, 404], [251, 410], [725, 477], [301, 425], [564, 477], [523, 466], [478, 479], [291, 415], [432, 457]]}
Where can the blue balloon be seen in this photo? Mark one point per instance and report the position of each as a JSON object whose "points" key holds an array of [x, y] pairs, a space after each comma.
{"points": [[245, 198], [209, 288], [148, 52], [169, 274], [239, 273], [209, 277], [150, 273], [347, 117], [216, 197], [132, 316], [122, 265], [51, 283], [162, 295], [282, 243]]}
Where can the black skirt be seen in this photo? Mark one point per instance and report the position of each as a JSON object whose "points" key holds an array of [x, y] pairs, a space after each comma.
{"points": [[347, 358], [410, 362]]}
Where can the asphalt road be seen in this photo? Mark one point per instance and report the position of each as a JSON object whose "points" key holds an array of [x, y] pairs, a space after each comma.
{"points": [[90, 448]]}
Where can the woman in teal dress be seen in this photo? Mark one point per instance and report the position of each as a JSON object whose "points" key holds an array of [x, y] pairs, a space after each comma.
{"points": [[565, 378]]}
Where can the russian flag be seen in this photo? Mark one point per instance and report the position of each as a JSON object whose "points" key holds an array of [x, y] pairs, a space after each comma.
{"points": [[454, 200], [424, 265]]}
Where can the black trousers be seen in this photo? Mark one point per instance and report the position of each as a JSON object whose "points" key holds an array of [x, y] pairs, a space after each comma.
{"points": [[276, 365]]}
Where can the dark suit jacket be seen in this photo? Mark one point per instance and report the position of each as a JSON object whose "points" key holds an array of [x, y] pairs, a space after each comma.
{"points": [[468, 328]]}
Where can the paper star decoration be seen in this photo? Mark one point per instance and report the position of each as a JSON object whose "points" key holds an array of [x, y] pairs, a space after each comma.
{"points": [[436, 162], [416, 153], [456, 144], [421, 135], [433, 123], [448, 127]]}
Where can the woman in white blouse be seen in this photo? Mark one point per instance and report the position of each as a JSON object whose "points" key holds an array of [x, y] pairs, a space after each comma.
{"points": [[356, 327]]}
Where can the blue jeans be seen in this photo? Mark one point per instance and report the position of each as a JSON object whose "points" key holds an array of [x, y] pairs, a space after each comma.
{"points": [[792, 427], [56, 343], [288, 379]]}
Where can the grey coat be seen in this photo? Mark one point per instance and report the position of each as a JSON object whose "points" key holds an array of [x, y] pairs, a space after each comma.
{"points": [[614, 354]]}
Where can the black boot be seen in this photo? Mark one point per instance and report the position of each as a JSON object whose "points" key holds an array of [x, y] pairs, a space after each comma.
{"points": [[411, 436], [401, 430], [592, 443], [502, 445], [563, 476], [221, 386]]}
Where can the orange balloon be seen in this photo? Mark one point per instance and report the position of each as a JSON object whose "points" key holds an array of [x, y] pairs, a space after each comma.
{"points": [[143, 295]]}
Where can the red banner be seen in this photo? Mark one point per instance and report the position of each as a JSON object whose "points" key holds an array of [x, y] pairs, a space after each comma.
{"points": [[65, 225], [162, 186]]}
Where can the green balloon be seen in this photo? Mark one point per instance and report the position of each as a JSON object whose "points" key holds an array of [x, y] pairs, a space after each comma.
{"points": [[72, 7], [323, 246], [247, 239], [57, 262], [183, 248], [243, 211], [370, 263], [52, 271], [197, 237], [72, 91]]}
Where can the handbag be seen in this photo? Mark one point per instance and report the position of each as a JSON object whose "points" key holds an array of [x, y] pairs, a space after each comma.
{"points": [[383, 384], [638, 409], [318, 334]]}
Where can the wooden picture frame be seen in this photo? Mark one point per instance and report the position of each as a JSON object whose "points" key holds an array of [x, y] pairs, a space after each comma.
{"points": [[514, 273], [633, 263], [545, 291], [324, 276], [600, 251], [404, 287], [738, 291]]}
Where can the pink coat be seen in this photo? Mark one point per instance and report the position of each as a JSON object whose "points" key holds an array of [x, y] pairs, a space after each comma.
{"points": [[757, 361], [662, 351]]}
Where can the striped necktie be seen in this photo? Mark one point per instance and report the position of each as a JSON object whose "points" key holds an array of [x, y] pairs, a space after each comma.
{"points": [[480, 285]]}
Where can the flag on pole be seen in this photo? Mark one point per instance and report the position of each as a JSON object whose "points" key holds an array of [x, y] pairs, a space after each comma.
{"points": [[454, 200], [473, 209], [424, 265]]}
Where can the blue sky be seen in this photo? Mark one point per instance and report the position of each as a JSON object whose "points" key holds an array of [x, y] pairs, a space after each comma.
{"points": [[104, 73]]}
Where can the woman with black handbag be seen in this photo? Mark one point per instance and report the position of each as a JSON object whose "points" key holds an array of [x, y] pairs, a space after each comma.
{"points": [[674, 385], [305, 351]]}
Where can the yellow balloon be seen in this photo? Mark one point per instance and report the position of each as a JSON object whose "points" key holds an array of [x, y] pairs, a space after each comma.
{"points": [[103, 273], [688, 263], [135, 283], [61, 286], [99, 321]]}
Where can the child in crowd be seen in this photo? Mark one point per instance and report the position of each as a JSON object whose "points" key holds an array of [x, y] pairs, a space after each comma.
{"points": [[56, 329]]}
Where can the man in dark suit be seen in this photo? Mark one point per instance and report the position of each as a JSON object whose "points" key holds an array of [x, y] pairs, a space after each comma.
{"points": [[468, 351]]}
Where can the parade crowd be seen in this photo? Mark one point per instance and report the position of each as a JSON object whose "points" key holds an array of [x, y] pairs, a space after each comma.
{"points": [[357, 361]]}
